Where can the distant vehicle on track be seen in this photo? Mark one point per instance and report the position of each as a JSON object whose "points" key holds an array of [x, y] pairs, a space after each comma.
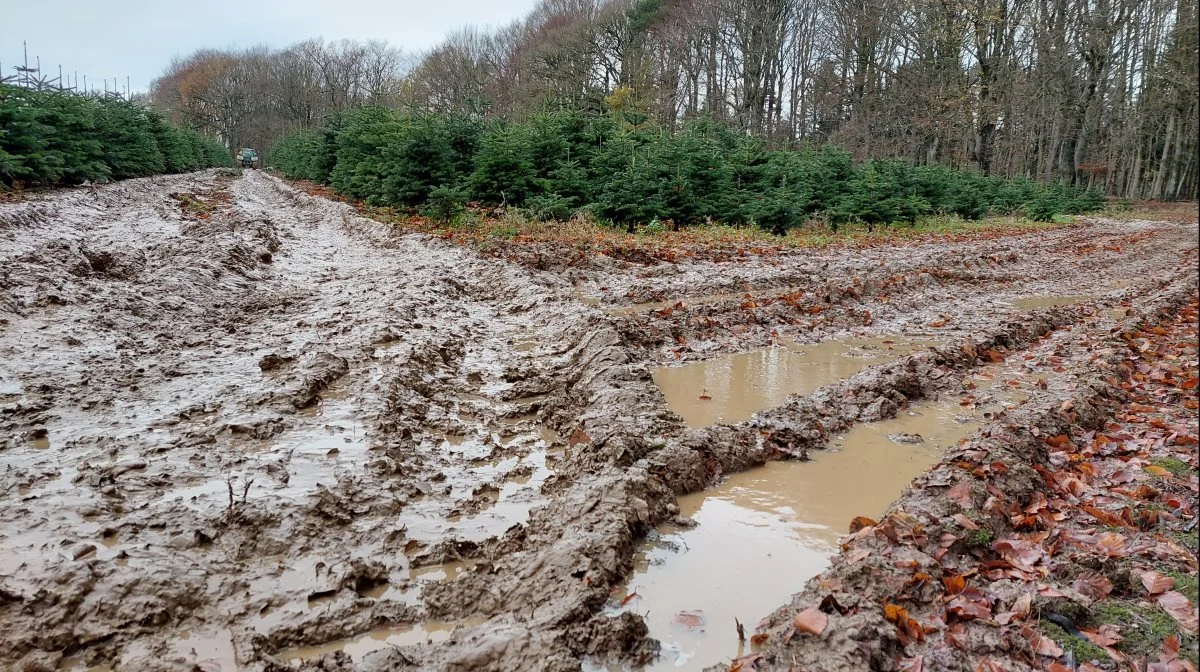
{"points": [[247, 158]]}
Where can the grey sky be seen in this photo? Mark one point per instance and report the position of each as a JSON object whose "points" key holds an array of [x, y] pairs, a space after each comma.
{"points": [[114, 38]]}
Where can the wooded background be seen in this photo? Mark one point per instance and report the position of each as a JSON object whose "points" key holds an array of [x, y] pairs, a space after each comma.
{"points": [[1089, 93]]}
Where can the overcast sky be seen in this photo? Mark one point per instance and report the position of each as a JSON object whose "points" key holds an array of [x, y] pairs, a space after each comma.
{"points": [[114, 38]]}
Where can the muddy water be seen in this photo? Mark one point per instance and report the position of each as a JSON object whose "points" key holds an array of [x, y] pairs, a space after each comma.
{"points": [[763, 533], [1034, 302], [357, 647], [734, 387]]}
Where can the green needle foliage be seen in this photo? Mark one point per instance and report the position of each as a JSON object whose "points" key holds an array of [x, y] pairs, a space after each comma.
{"points": [[54, 138], [618, 165]]}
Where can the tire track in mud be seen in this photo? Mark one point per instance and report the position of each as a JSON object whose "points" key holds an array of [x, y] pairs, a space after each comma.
{"points": [[248, 471], [260, 452]]}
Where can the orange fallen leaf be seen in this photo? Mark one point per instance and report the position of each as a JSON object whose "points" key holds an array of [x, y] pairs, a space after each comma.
{"points": [[1156, 470], [860, 522], [811, 621]]}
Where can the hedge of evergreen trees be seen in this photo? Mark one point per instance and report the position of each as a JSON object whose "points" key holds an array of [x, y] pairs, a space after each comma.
{"points": [[559, 163], [56, 138]]}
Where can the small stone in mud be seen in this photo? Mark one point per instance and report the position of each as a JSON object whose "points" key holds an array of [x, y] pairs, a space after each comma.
{"points": [[904, 437], [38, 433], [265, 257], [273, 361], [72, 341], [82, 551], [331, 452]]}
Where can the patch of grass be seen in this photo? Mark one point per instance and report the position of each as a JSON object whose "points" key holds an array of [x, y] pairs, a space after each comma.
{"points": [[191, 204], [1188, 585], [1173, 464], [1084, 650], [1143, 628], [1062, 219], [1187, 540], [980, 538]]}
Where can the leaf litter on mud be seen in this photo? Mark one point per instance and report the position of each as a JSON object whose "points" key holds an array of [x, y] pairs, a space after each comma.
{"points": [[1102, 527]]}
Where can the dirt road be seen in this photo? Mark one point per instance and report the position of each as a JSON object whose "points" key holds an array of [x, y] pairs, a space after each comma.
{"points": [[242, 435]]}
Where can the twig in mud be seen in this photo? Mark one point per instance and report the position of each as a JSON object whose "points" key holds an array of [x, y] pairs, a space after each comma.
{"points": [[229, 511], [741, 632], [246, 490]]}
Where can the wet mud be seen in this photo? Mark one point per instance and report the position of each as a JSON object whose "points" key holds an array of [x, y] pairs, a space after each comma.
{"points": [[275, 435]]}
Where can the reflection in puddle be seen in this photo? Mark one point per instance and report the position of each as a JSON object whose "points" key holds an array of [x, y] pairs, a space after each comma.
{"points": [[762, 534], [1032, 302], [738, 386], [357, 647]]}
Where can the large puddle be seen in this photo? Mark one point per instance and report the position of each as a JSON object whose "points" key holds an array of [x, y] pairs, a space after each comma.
{"points": [[762, 534], [732, 388]]}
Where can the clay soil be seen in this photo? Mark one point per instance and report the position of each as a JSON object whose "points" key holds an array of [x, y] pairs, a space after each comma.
{"points": [[243, 426]]}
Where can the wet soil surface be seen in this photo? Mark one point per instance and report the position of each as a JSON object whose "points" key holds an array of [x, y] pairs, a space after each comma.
{"points": [[266, 433]]}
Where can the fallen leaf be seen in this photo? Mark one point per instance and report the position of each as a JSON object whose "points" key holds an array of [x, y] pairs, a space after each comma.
{"points": [[1156, 583], [690, 619], [965, 522], [1157, 470], [745, 663], [1112, 545], [1180, 608], [961, 494], [860, 522], [954, 583], [759, 639], [1044, 646], [811, 621], [1093, 584]]}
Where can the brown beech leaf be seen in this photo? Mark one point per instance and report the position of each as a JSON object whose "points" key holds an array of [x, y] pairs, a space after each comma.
{"points": [[1093, 584], [1101, 639], [1111, 545], [1156, 583], [970, 604], [811, 621], [1180, 608], [690, 619], [759, 639], [745, 663], [860, 522], [954, 583], [1044, 646], [965, 522], [1156, 470], [961, 494]]}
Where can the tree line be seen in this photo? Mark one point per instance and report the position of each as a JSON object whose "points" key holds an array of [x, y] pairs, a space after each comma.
{"points": [[1093, 93], [52, 137], [622, 167]]}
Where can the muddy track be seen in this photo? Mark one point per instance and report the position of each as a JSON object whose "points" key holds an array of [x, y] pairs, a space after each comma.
{"points": [[230, 439]]}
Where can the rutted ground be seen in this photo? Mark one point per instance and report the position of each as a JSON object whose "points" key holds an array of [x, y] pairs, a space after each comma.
{"points": [[234, 432]]}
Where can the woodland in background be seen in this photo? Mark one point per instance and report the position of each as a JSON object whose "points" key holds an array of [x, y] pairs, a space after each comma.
{"points": [[51, 137], [1094, 93]]}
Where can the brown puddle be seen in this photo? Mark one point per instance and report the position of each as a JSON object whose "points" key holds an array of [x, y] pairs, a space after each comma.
{"points": [[763, 533], [1033, 302], [383, 638], [738, 386]]}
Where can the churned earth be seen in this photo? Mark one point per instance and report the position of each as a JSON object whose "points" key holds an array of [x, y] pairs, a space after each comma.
{"points": [[247, 428]]}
